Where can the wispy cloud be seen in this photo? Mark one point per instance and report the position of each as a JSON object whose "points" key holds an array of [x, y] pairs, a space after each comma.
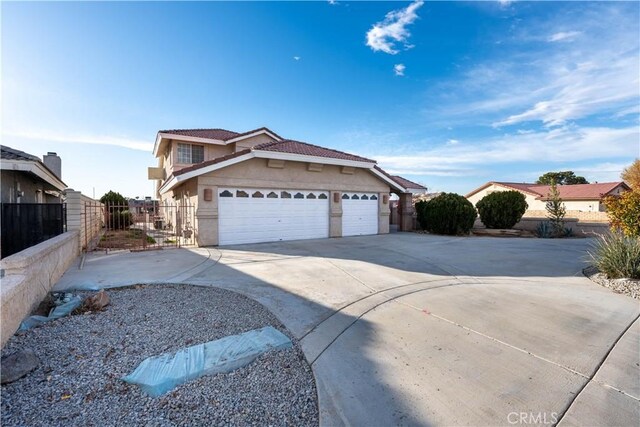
{"points": [[297, 58], [384, 35], [453, 142], [550, 84], [550, 146], [133, 144], [564, 36], [332, 2], [398, 69]]}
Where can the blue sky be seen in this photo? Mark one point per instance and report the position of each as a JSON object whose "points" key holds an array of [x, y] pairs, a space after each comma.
{"points": [[449, 94]]}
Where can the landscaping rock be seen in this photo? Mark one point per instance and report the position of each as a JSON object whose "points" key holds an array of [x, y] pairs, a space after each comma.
{"points": [[629, 287], [17, 365], [99, 301]]}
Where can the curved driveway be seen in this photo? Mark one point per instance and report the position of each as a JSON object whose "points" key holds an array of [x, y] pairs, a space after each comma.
{"points": [[410, 329]]}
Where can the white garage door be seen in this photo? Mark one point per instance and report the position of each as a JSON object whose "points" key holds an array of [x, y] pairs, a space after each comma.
{"points": [[259, 215], [359, 214]]}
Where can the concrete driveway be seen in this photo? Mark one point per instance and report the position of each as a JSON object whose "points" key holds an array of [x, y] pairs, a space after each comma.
{"points": [[409, 329]]}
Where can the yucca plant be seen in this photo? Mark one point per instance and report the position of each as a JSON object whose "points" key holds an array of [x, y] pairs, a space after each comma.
{"points": [[617, 256]]}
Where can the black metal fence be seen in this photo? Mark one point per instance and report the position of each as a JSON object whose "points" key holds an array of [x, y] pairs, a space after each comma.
{"points": [[26, 224]]}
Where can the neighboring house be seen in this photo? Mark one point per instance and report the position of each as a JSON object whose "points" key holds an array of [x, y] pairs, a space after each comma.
{"points": [[257, 186], [27, 179], [31, 194], [579, 197]]}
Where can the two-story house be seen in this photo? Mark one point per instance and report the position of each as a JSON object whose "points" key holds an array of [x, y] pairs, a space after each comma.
{"points": [[257, 186]]}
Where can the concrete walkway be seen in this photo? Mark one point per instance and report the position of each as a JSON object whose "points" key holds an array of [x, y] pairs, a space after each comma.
{"points": [[409, 329]]}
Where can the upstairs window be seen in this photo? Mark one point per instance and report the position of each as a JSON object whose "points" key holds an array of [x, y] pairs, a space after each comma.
{"points": [[188, 154]]}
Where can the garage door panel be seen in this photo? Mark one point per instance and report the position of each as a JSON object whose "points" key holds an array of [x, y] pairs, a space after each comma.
{"points": [[359, 214], [256, 219]]}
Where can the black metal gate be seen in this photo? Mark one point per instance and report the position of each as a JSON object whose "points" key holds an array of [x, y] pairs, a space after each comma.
{"points": [[27, 224], [139, 225]]}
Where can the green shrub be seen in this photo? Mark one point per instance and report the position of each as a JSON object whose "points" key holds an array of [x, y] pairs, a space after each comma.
{"points": [[617, 256], [449, 213], [119, 220], [502, 209]]}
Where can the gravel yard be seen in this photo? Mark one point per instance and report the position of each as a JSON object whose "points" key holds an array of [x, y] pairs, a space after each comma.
{"points": [[628, 287], [83, 357]]}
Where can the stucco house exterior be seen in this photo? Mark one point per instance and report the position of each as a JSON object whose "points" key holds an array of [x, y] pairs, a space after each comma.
{"points": [[257, 186], [27, 179], [578, 198]]}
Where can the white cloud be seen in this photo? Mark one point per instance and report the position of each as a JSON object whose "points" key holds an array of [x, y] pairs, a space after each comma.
{"points": [[393, 29], [398, 69], [133, 144], [453, 142], [333, 2], [580, 144], [297, 58], [564, 36]]}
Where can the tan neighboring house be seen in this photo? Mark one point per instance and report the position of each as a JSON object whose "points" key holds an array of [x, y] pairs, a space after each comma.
{"points": [[257, 186], [576, 198]]}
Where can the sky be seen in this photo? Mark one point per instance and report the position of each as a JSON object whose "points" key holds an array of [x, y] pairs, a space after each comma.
{"points": [[448, 94]]}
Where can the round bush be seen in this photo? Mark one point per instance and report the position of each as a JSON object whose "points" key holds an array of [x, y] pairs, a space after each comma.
{"points": [[449, 213], [502, 209]]}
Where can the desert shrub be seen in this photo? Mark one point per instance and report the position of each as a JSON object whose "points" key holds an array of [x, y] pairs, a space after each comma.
{"points": [[502, 209], [119, 220], [624, 212], [617, 256], [449, 213]]}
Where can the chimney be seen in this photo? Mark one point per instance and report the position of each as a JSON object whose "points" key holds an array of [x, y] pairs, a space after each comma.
{"points": [[53, 162]]}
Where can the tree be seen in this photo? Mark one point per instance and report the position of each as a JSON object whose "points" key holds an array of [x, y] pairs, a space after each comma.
{"points": [[113, 198], [561, 178], [556, 211], [631, 175], [624, 212]]}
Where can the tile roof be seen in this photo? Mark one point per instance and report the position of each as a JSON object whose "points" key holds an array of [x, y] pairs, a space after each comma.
{"points": [[9, 153], [303, 148], [578, 191], [219, 134], [566, 192], [406, 183]]}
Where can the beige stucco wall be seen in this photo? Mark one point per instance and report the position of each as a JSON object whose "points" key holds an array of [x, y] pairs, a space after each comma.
{"points": [[30, 274], [254, 173], [252, 142]]}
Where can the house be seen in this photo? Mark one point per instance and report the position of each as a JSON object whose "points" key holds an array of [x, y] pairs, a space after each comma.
{"points": [[577, 198], [27, 179], [257, 186], [31, 209]]}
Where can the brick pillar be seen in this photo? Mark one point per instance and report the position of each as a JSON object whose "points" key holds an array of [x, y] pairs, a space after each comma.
{"points": [[405, 212], [75, 214]]}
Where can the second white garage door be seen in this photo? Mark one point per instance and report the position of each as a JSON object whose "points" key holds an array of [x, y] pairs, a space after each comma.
{"points": [[359, 214], [270, 215]]}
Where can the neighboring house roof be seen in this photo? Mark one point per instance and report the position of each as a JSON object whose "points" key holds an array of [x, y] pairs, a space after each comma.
{"points": [[408, 184], [566, 192], [282, 150], [16, 160]]}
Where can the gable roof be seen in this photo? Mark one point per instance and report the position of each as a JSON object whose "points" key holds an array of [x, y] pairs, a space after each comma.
{"points": [[284, 150], [209, 136], [567, 192]]}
